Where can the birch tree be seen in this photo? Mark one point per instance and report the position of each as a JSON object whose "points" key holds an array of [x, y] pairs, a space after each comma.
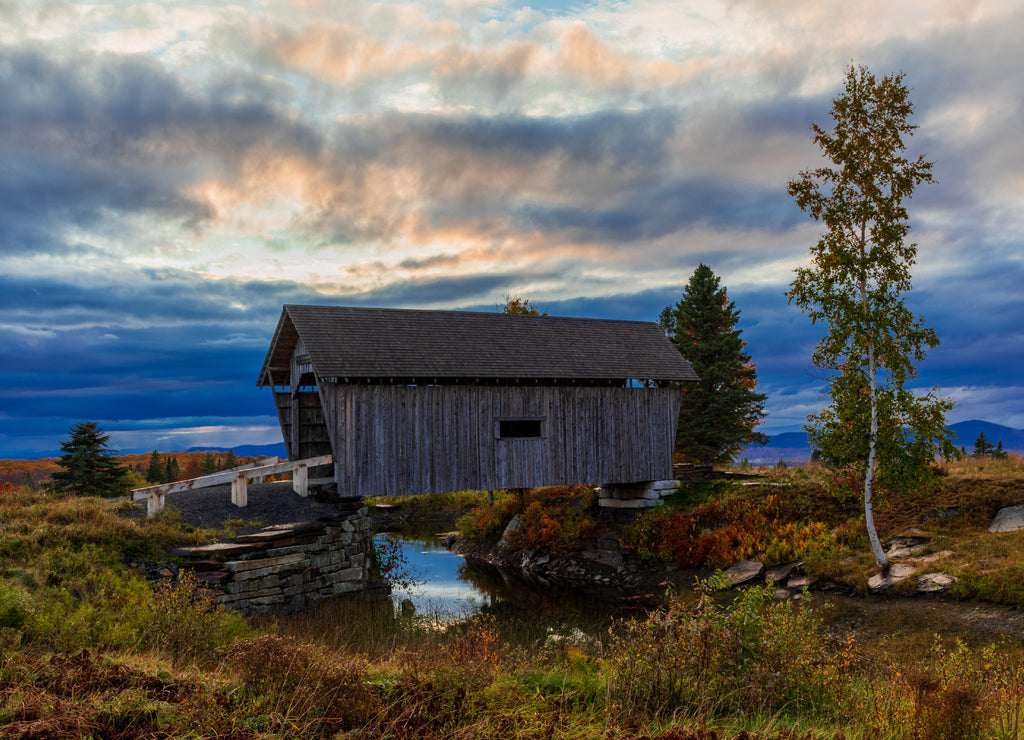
{"points": [[860, 270]]}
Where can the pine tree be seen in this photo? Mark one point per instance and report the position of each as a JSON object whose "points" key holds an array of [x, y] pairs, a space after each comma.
{"points": [[171, 471], [208, 464], [999, 452], [155, 471], [88, 467], [230, 461], [982, 447], [720, 410]]}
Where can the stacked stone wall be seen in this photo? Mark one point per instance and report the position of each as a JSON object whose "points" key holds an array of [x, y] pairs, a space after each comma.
{"points": [[635, 495], [289, 567]]}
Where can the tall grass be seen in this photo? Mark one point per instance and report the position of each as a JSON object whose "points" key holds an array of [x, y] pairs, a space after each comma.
{"points": [[89, 649]]}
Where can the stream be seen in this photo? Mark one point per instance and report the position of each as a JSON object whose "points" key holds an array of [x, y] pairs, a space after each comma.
{"points": [[449, 587]]}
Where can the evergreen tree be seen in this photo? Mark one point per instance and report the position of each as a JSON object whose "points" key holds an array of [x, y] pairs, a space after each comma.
{"points": [[155, 471], [88, 467], [999, 452], [171, 471], [208, 464], [982, 447], [230, 461], [721, 409]]}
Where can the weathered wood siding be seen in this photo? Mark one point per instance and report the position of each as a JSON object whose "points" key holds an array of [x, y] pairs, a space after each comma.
{"points": [[302, 424], [405, 440]]}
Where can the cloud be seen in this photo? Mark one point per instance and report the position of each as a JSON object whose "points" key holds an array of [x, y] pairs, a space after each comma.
{"points": [[170, 175]]}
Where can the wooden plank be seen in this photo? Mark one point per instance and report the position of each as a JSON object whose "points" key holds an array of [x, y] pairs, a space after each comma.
{"points": [[226, 476]]}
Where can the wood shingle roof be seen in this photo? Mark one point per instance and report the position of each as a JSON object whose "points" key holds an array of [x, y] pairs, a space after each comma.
{"points": [[370, 343]]}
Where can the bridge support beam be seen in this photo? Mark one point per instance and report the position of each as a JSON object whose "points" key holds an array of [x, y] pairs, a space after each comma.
{"points": [[300, 480], [240, 492]]}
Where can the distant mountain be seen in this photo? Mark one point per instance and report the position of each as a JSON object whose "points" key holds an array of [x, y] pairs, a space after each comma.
{"points": [[793, 446], [789, 446], [968, 431], [271, 450]]}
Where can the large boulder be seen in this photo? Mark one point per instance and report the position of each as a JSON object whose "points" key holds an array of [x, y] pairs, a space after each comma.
{"points": [[1009, 519]]}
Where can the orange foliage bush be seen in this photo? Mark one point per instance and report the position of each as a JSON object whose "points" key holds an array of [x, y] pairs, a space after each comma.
{"points": [[722, 533]]}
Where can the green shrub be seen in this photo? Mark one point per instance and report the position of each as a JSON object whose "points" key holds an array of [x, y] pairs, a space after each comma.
{"points": [[189, 625], [756, 655], [14, 605]]}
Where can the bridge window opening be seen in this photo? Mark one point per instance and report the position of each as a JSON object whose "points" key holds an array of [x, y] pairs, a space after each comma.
{"points": [[519, 428]]}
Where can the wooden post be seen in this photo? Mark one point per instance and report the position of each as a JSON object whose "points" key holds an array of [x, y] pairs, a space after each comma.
{"points": [[300, 480], [239, 492], [154, 504], [490, 498]]}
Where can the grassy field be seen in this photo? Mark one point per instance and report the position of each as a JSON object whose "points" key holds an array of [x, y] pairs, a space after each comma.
{"points": [[89, 649]]}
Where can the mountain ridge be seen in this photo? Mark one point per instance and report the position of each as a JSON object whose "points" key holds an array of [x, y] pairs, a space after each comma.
{"points": [[794, 447]]}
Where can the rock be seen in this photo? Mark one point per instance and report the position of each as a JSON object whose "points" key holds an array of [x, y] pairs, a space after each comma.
{"points": [[898, 572], [895, 553], [799, 583], [781, 573], [1009, 519], [934, 582], [781, 594], [906, 546], [408, 607], [512, 527], [745, 572]]}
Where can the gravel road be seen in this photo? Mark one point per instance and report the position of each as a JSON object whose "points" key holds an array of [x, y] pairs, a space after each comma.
{"points": [[268, 504]]}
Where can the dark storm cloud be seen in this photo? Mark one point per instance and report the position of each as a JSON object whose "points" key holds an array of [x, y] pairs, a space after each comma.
{"points": [[661, 207], [90, 136]]}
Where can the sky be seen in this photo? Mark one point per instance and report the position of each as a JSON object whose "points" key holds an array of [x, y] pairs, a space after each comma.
{"points": [[172, 173]]}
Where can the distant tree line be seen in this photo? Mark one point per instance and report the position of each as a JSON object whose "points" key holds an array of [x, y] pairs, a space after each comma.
{"points": [[168, 470], [88, 467]]}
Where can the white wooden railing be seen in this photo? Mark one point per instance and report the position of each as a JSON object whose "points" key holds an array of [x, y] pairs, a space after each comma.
{"points": [[237, 477]]}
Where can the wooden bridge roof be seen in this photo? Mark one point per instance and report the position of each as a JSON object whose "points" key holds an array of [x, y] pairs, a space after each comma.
{"points": [[382, 343]]}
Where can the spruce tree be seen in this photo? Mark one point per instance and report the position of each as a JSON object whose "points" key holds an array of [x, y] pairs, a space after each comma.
{"points": [[208, 464], [155, 472], [720, 410], [88, 467], [171, 470], [982, 447], [230, 461]]}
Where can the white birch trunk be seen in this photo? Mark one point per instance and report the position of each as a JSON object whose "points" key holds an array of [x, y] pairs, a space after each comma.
{"points": [[869, 474], [869, 518]]}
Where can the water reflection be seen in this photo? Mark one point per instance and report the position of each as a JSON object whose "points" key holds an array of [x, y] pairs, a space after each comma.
{"points": [[441, 590], [450, 588]]}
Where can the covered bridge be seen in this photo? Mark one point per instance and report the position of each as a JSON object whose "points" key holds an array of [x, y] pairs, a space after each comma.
{"points": [[412, 402]]}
